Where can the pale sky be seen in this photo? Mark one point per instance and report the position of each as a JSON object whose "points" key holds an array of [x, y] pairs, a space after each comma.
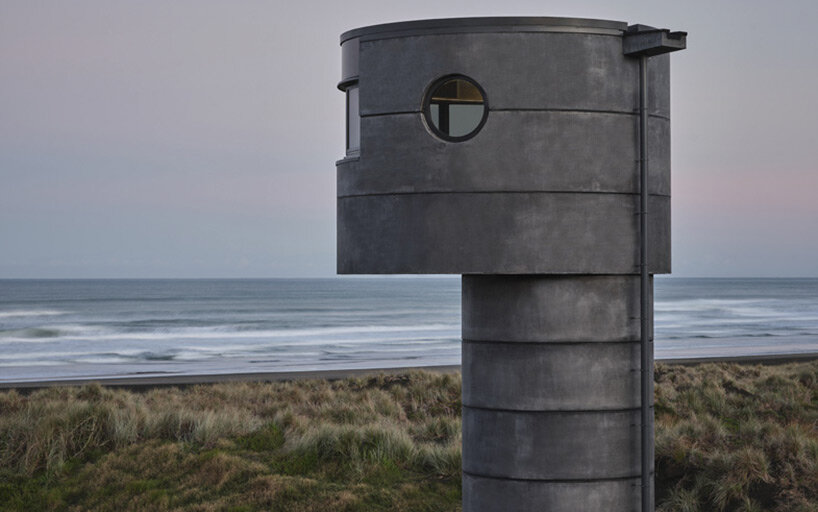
{"points": [[198, 138]]}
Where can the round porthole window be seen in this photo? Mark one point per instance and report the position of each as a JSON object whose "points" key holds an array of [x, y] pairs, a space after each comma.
{"points": [[455, 108]]}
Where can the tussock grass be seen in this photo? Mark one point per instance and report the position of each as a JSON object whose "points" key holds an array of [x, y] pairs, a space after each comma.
{"points": [[737, 437], [45, 430], [728, 438], [377, 443]]}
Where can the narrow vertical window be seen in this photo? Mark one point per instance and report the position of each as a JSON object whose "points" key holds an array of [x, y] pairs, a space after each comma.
{"points": [[353, 121]]}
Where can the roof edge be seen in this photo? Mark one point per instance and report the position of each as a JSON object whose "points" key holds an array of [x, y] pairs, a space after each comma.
{"points": [[482, 24]]}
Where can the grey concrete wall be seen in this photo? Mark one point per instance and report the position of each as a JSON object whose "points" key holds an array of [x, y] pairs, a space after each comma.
{"points": [[536, 151], [551, 417], [540, 211], [557, 309], [543, 376], [499, 233], [549, 185], [565, 71], [496, 495]]}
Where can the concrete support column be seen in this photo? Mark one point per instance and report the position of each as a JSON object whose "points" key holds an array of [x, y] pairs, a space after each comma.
{"points": [[551, 392]]}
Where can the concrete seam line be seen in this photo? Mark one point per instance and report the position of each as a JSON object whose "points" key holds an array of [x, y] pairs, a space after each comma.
{"points": [[549, 343], [554, 411], [555, 481], [484, 192], [548, 110]]}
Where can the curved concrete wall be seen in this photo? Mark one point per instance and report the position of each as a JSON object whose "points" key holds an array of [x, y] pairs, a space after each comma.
{"points": [[539, 211], [559, 309], [564, 152], [499, 233], [551, 376], [563, 121], [551, 393], [493, 495]]}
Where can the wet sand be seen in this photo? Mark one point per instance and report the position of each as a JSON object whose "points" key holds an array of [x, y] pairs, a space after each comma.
{"points": [[136, 382], [141, 382]]}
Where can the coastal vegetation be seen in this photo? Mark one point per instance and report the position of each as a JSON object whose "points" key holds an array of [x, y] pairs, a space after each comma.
{"points": [[737, 437], [728, 438]]}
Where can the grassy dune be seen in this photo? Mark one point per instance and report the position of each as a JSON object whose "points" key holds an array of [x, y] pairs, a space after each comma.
{"points": [[736, 437], [384, 443], [728, 437]]}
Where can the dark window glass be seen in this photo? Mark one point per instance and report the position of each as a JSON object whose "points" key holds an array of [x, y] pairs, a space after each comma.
{"points": [[353, 120], [455, 108]]}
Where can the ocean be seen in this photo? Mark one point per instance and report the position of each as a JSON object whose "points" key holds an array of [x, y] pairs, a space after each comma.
{"points": [[62, 329]]}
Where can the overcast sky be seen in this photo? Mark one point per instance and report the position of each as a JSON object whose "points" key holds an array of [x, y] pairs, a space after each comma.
{"points": [[198, 138]]}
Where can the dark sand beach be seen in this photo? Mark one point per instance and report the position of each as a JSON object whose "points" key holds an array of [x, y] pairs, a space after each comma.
{"points": [[138, 381]]}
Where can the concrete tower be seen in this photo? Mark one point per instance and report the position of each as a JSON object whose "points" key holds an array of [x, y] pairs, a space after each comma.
{"points": [[514, 151]]}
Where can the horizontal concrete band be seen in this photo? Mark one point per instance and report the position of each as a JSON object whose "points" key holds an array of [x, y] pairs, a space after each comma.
{"points": [[529, 308], [499, 233], [488, 192], [551, 446], [516, 70], [514, 151], [481, 494], [552, 377]]}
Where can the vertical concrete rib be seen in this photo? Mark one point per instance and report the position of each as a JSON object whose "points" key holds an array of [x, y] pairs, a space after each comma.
{"points": [[551, 393]]}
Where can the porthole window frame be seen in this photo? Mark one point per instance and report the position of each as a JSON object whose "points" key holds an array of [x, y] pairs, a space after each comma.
{"points": [[427, 110]]}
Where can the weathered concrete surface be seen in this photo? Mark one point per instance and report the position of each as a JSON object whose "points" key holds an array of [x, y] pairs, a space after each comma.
{"points": [[551, 393], [515, 151], [572, 71], [496, 495], [551, 376], [563, 102], [551, 308], [539, 211], [551, 445], [499, 233]]}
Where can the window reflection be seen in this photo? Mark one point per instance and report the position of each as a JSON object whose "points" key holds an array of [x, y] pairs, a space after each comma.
{"points": [[456, 108]]}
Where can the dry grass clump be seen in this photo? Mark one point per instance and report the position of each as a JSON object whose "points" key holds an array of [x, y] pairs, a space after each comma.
{"points": [[737, 437], [377, 443], [44, 430], [410, 420], [728, 438]]}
